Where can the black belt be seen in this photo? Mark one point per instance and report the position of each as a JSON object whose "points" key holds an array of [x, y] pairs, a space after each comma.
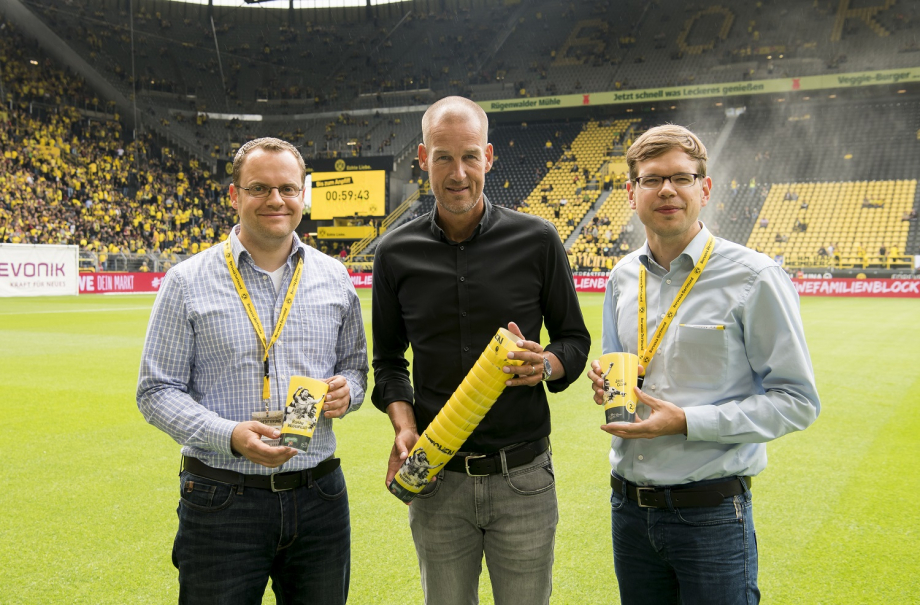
{"points": [[691, 496], [477, 465], [278, 482]]}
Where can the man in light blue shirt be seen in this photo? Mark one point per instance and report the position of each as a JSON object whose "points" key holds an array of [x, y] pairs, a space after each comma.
{"points": [[250, 510], [731, 371]]}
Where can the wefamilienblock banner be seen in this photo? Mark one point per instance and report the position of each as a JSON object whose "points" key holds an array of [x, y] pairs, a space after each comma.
{"points": [[38, 270]]}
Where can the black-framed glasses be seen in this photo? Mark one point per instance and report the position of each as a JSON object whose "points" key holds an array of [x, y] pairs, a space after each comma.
{"points": [[262, 191], [680, 179]]}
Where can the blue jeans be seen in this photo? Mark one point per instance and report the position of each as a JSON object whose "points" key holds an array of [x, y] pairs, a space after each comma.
{"points": [[509, 517], [232, 540], [685, 555]]}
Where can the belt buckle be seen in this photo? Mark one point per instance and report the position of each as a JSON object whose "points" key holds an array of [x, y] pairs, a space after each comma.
{"points": [[272, 484], [643, 490], [466, 464]]}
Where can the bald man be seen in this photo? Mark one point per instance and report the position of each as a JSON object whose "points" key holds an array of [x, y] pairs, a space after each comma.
{"points": [[443, 284]]}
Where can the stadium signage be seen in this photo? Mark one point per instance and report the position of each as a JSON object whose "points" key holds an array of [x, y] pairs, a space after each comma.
{"points": [[120, 283], [873, 288], [38, 270], [725, 89], [362, 280], [583, 283]]}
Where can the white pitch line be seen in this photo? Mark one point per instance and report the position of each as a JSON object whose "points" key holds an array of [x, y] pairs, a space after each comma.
{"points": [[80, 311]]}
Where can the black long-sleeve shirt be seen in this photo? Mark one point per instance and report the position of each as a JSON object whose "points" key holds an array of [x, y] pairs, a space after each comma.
{"points": [[446, 299]]}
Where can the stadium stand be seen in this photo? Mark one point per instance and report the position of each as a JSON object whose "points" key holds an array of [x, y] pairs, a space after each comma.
{"points": [[341, 81], [69, 177]]}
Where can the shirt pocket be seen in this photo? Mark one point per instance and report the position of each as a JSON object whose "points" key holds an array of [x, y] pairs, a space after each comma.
{"points": [[700, 356]]}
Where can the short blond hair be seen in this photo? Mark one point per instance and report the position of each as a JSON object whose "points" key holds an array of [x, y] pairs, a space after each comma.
{"points": [[659, 140], [268, 144]]}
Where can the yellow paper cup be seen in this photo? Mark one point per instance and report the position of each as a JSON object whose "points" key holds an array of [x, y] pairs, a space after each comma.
{"points": [[490, 392], [620, 372], [497, 352], [490, 377], [459, 415], [471, 398], [305, 400]]}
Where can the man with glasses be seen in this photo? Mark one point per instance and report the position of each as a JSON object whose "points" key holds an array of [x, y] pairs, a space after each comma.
{"points": [[719, 337], [229, 329]]}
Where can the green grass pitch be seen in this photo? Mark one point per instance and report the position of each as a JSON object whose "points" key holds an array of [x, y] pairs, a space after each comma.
{"points": [[89, 490]]}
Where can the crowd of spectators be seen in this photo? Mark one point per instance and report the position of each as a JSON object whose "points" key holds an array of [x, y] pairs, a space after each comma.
{"points": [[66, 178]]}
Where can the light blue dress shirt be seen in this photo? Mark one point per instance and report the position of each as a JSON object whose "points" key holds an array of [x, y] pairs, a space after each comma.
{"points": [[740, 385], [201, 370]]}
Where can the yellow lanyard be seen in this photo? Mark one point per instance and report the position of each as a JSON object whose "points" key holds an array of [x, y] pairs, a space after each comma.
{"points": [[646, 353], [254, 316]]}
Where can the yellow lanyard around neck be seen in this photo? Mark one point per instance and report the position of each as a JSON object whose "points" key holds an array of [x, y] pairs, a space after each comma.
{"points": [[254, 316], [647, 352]]}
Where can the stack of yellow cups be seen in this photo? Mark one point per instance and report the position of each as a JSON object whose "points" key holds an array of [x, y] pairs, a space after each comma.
{"points": [[458, 418]]}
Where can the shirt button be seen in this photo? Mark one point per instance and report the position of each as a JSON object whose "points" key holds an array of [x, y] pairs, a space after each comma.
{"points": [[641, 457], [667, 281], [463, 314], [466, 348], [462, 248], [661, 316], [653, 387], [464, 279]]}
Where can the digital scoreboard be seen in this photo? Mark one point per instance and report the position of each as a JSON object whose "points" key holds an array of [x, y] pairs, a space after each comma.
{"points": [[356, 186]]}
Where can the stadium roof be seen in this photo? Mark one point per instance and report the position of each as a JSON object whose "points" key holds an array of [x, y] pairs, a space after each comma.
{"points": [[293, 3]]}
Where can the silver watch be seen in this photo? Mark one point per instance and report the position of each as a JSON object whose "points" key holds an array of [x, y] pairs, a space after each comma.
{"points": [[547, 368]]}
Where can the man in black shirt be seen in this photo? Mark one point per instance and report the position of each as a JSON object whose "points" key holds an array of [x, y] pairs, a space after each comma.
{"points": [[444, 283]]}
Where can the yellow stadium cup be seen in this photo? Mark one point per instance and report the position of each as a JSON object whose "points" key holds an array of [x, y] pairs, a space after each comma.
{"points": [[497, 352], [449, 430], [489, 391], [460, 415], [471, 405], [488, 377], [620, 372]]}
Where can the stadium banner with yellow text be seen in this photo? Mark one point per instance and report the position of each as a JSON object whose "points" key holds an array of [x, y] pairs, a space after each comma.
{"points": [[700, 91], [38, 270]]}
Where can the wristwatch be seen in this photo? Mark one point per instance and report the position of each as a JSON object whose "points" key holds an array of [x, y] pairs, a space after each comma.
{"points": [[547, 369]]}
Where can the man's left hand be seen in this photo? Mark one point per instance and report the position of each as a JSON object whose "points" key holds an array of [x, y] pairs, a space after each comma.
{"points": [[338, 397], [665, 419], [529, 373]]}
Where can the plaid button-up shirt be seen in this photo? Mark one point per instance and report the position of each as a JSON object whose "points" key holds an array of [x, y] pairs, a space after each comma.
{"points": [[201, 370]]}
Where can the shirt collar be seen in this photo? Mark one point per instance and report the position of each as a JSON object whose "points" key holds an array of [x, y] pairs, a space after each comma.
{"points": [[693, 251], [237, 247], [484, 223]]}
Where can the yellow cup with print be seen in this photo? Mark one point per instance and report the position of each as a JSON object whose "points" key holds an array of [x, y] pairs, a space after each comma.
{"points": [[620, 372], [425, 461], [501, 344], [489, 376], [305, 400], [458, 418], [491, 393], [460, 415]]}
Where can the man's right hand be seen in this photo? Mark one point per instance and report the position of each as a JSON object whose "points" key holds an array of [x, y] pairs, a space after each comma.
{"points": [[246, 441], [402, 415], [403, 443]]}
